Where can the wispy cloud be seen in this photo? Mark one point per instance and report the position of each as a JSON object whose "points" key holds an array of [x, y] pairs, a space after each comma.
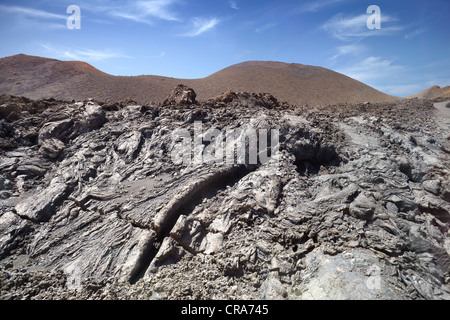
{"points": [[402, 90], [371, 68], [143, 11], [200, 26], [415, 33], [92, 55], [243, 53], [162, 54], [31, 13], [35, 18], [405, 81], [266, 27], [442, 82], [83, 54], [352, 49], [233, 4], [348, 28], [317, 5]]}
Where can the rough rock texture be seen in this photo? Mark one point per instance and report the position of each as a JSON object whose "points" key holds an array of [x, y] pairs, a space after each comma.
{"points": [[181, 96], [354, 205]]}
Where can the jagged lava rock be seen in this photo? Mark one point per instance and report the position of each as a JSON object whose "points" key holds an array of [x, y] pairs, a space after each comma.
{"points": [[352, 202]]}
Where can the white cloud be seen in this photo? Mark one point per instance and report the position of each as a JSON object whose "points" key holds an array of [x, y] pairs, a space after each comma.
{"points": [[243, 53], [401, 90], [413, 79], [349, 49], [442, 82], [158, 9], [371, 68], [139, 10], [315, 6], [201, 25], [384, 75], [265, 27], [29, 18], [91, 55], [31, 13], [162, 54], [415, 33], [88, 55], [347, 28], [234, 4]]}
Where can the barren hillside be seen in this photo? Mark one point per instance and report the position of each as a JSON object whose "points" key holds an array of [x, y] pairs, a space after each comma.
{"points": [[293, 83], [40, 78], [433, 93]]}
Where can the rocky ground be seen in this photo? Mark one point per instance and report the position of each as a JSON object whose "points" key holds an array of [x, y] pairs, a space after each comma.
{"points": [[354, 205]]}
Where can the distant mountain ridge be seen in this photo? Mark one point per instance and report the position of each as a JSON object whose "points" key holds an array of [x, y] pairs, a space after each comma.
{"points": [[40, 78], [433, 92]]}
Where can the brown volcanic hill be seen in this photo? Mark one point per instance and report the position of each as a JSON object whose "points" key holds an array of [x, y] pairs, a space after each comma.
{"points": [[294, 83], [433, 93], [40, 78]]}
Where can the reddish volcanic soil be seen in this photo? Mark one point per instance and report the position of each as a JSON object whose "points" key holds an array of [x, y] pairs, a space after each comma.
{"points": [[40, 78]]}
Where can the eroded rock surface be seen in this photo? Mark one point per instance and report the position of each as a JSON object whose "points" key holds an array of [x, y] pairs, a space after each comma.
{"points": [[355, 203]]}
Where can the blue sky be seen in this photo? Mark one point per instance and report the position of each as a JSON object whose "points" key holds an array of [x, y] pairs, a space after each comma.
{"points": [[193, 39]]}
